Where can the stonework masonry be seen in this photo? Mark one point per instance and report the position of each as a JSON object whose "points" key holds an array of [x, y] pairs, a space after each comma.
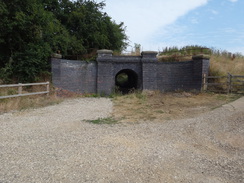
{"points": [[144, 73]]}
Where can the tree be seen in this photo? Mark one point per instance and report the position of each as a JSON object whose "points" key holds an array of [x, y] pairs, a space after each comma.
{"points": [[89, 26], [30, 30], [137, 49], [28, 35]]}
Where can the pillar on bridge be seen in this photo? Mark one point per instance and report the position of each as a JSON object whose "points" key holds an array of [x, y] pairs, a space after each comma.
{"points": [[149, 70], [201, 64], [105, 79]]}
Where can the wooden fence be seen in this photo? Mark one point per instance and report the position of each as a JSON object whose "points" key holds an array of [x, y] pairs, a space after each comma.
{"points": [[229, 83], [20, 89]]}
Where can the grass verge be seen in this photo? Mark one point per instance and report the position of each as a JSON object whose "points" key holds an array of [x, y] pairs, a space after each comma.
{"points": [[157, 106], [22, 103]]}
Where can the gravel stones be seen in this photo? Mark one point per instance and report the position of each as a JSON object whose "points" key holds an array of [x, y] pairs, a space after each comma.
{"points": [[55, 144]]}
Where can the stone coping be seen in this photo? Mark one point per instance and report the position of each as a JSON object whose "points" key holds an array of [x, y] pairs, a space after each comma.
{"points": [[104, 51], [149, 53]]}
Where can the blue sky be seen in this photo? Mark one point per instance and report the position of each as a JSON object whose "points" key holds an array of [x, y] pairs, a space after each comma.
{"points": [[156, 24]]}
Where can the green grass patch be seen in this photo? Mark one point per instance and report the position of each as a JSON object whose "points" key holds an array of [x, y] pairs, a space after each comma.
{"points": [[103, 121], [228, 98], [160, 111]]}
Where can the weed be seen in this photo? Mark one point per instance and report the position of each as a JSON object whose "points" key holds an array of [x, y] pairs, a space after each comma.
{"points": [[103, 121], [115, 93], [93, 95], [228, 98], [11, 92], [222, 97], [140, 95], [159, 111]]}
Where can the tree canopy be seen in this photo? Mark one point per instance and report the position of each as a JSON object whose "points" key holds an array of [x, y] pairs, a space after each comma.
{"points": [[31, 30]]}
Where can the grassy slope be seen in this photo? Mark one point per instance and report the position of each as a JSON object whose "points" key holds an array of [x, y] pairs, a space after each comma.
{"points": [[221, 65]]}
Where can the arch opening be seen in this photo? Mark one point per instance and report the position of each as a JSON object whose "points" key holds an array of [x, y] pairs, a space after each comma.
{"points": [[126, 81]]}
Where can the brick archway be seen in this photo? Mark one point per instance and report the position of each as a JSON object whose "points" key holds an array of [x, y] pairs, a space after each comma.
{"points": [[126, 80]]}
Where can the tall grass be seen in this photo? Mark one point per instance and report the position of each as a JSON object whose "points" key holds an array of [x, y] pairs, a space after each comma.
{"points": [[222, 62], [221, 65], [20, 103]]}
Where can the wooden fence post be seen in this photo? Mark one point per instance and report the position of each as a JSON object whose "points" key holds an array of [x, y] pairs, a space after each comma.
{"points": [[48, 88], [20, 89], [229, 83], [205, 83]]}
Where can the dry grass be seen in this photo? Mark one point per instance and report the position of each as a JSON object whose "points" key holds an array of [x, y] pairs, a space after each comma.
{"points": [[221, 65], [173, 58], [137, 106], [156, 106], [20, 103]]}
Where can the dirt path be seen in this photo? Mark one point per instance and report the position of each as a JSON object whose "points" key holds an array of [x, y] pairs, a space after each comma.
{"points": [[55, 144]]}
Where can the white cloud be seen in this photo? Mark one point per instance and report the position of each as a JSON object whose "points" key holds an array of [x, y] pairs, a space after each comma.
{"points": [[233, 1], [144, 17]]}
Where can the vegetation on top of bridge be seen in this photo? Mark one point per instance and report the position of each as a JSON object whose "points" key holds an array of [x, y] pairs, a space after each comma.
{"points": [[222, 62]]}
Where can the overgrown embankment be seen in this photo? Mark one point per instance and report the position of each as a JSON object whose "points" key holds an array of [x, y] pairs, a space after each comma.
{"points": [[221, 65], [222, 62]]}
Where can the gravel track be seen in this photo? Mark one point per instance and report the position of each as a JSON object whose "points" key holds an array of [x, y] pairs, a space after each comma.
{"points": [[55, 144]]}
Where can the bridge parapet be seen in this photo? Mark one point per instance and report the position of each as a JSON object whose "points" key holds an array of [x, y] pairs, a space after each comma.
{"points": [[104, 53]]}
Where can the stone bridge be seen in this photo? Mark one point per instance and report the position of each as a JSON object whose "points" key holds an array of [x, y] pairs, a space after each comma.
{"points": [[127, 73]]}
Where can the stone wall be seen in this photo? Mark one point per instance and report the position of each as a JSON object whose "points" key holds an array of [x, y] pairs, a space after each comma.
{"points": [[99, 76], [175, 76], [76, 76]]}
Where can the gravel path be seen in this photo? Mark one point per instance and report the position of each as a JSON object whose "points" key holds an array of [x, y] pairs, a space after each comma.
{"points": [[55, 144]]}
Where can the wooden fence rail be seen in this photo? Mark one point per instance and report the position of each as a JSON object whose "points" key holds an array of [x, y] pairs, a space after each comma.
{"points": [[20, 89], [229, 83]]}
